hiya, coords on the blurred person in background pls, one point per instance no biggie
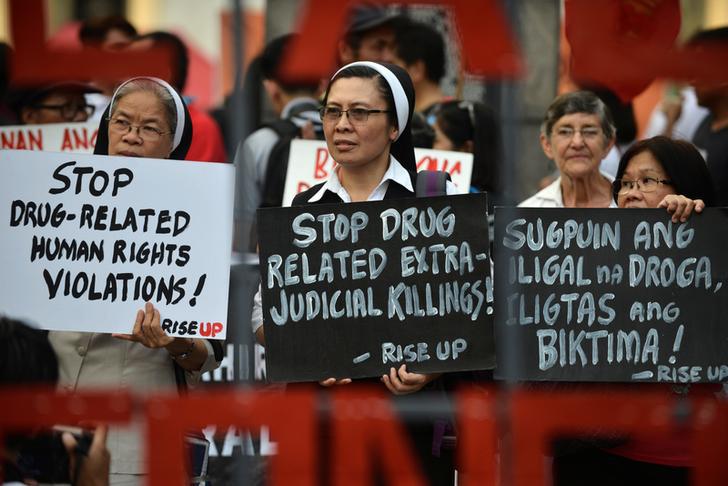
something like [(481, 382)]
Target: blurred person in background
[(111, 33), (207, 143), (260, 180), (420, 50), (370, 35), (52, 103), (711, 136), (27, 359)]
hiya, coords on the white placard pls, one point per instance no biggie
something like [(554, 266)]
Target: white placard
[(310, 163), (54, 137), (85, 240)]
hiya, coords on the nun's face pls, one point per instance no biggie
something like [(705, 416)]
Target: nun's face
[(138, 128), (355, 143)]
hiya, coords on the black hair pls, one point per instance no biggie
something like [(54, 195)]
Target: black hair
[(368, 73), (463, 121), (26, 355), (683, 164), (416, 41), (180, 56), (271, 60), (622, 114), (578, 102), (93, 32)]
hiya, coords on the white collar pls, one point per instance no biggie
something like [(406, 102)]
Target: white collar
[(395, 172)]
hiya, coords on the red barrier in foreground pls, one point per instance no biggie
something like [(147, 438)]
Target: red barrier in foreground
[(365, 428), (538, 416)]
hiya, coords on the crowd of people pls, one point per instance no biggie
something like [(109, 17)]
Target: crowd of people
[(385, 99)]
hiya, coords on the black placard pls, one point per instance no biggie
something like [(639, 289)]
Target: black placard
[(611, 295), (415, 287)]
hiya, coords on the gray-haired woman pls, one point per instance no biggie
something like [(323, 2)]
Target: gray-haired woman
[(577, 133)]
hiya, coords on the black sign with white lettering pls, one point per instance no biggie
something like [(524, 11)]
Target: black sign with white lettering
[(351, 290), (611, 295)]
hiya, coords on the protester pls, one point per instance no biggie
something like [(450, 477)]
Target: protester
[(577, 133), (109, 33), (711, 136), (207, 143), (52, 103), (420, 49), (260, 179), (370, 34), (146, 118), (655, 173), (112, 33), (367, 112), (27, 358), (468, 126)]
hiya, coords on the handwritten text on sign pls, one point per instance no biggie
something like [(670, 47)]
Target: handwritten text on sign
[(310, 163), (51, 137), (88, 239), (351, 290), (611, 295)]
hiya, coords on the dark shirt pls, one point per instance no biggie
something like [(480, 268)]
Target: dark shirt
[(714, 145)]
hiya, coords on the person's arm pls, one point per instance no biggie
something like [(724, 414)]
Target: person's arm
[(681, 207), (93, 469), (189, 353)]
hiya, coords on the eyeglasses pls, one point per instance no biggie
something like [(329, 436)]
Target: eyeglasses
[(644, 184), (356, 115), (567, 133), (69, 110), (148, 133)]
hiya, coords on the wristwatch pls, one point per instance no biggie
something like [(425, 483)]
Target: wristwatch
[(186, 353)]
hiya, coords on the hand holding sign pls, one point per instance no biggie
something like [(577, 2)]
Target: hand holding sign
[(401, 382), (147, 329)]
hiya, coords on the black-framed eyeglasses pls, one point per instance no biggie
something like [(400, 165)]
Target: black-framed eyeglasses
[(68, 111), (355, 115), (644, 184), (148, 133)]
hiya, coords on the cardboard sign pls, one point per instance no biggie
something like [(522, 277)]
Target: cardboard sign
[(86, 240), (310, 163), (611, 295), (350, 290), (51, 137)]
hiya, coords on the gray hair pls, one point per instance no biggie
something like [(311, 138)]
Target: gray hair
[(150, 86), (579, 102)]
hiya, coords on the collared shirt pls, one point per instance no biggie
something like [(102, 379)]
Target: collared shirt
[(551, 196), (395, 172)]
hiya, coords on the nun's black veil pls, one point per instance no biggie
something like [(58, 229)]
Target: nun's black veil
[(402, 148), (179, 152)]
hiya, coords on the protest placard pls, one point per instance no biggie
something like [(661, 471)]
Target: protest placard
[(309, 163), (611, 295), (51, 137), (350, 290), (86, 240)]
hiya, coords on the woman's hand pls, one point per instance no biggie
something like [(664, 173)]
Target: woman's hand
[(147, 329), (681, 207), (401, 382), (94, 467), (334, 381)]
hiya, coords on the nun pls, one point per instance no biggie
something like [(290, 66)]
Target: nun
[(146, 118)]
